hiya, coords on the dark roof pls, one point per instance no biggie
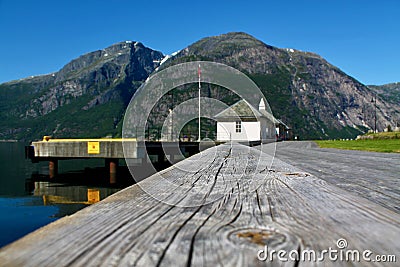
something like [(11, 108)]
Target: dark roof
[(278, 121), (242, 109)]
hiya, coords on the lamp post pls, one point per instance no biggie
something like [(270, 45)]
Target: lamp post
[(199, 73), (373, 100), (171, 111)]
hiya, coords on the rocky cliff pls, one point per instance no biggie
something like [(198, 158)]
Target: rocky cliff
[(87, 97), (315, 98), (389, 92)]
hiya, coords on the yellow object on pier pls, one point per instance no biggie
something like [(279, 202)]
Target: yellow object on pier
[(93, 147)]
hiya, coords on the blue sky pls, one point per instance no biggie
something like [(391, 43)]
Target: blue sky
[(361, 37)]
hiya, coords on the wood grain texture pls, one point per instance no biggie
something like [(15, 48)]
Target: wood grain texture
[(217, 208), (372, 175)]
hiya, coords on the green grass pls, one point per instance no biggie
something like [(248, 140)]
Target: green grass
[(384, 135), (376, 145)]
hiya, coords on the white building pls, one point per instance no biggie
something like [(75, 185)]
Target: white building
[(244, 123)]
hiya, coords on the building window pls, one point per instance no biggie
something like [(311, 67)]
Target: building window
[(238, 126)]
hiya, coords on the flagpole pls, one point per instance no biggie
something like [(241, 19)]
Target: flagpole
[(199, 71)]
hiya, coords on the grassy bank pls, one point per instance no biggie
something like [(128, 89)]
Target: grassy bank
[(378, 142), (382, 136), (377, 145)]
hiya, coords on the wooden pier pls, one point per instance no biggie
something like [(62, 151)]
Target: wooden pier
[(220, 207)]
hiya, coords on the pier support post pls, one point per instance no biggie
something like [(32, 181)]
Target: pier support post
[(53, 168), (112, 165)]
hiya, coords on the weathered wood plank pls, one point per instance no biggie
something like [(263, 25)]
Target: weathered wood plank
[(216, 208), (373, 175)]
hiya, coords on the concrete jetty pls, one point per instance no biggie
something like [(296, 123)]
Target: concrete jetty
[(110, 149)]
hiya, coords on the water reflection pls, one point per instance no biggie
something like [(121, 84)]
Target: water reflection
[(93, 196), (29, 199), (54, 193)]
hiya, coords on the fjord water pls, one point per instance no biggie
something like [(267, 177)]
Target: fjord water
[(30, 200)]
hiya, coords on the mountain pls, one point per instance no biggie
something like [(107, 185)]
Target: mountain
[(86, 98), (389, 92), (315, 98)]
